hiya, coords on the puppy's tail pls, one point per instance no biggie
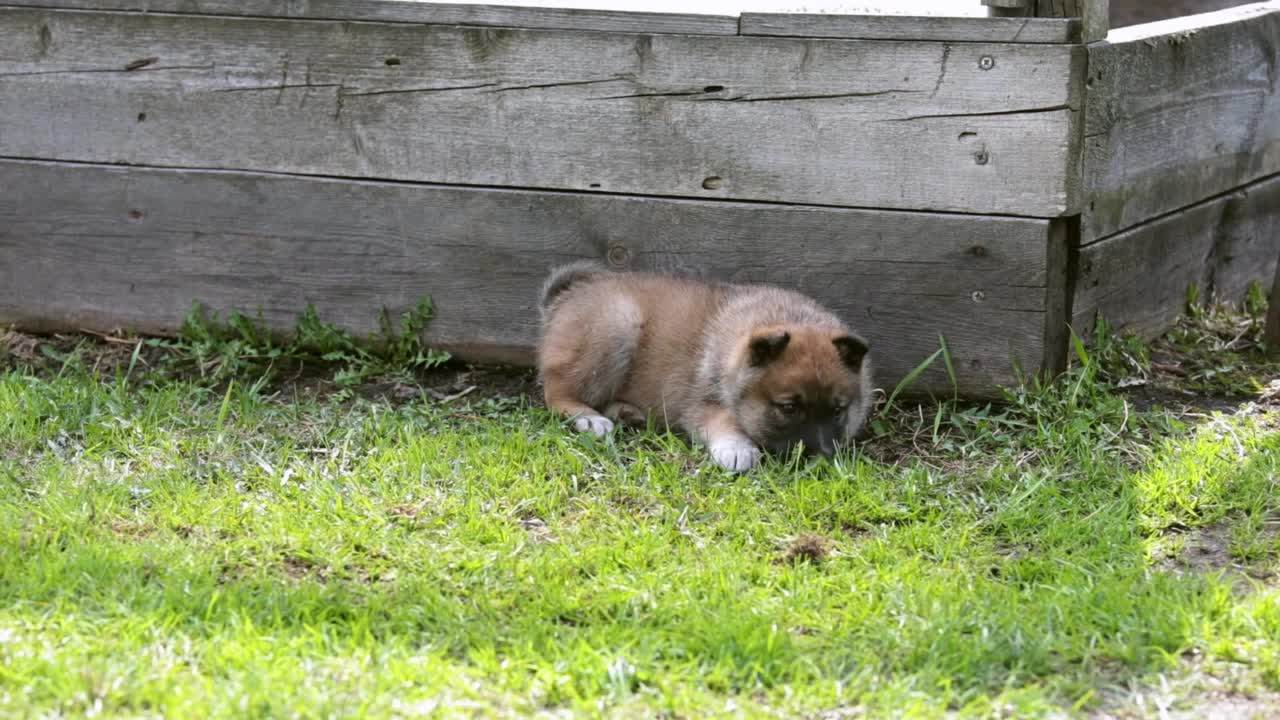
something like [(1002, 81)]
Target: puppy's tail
[(565, 277)]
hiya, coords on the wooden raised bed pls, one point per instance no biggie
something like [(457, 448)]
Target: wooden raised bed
[(990, 180)]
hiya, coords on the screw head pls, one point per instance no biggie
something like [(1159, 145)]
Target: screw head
[(619, 256), (978, 296), (986, 62)]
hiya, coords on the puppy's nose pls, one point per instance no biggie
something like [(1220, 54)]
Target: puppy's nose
[(825, 445), (819, 446)]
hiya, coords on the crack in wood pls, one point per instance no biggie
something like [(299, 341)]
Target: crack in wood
[(997, 113), (749, 99), (141, 63), (284, 79), (281, 87), (651, 94), (942, 71), (306, 80), (121, 70), (541, 86), (1021, 27), (420, 90), (817, 96)]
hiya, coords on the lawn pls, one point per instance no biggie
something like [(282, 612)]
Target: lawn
[(207, 528)]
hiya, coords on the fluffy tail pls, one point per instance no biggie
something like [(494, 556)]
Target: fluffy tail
[(565, 277)]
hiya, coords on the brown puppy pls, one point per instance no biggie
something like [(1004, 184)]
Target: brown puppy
[(737, 367)]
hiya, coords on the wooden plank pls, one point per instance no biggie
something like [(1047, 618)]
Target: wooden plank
[(969, 127), (898, 27), (413, 11), (1092, 13), (1179, 111), (1096, 18), (1138, 280), (100, 247), (1271, 334)]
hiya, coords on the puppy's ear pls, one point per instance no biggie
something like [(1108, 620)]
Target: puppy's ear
[(766, 345), (852, 350)]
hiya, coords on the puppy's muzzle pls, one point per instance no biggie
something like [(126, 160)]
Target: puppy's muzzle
[(819, 441)]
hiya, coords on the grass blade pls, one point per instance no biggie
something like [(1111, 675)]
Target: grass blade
[(910, 378)]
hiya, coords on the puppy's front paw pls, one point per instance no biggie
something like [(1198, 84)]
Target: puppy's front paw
[(597, 425), (735, 454)]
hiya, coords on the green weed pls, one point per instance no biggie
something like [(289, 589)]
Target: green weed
[(219, 350)]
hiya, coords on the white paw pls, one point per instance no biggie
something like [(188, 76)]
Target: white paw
[(735, 454), (597, 425)]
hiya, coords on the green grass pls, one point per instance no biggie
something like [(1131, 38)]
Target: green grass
[(231, 546)]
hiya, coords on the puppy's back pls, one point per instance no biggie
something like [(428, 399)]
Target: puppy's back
[(634, 337)]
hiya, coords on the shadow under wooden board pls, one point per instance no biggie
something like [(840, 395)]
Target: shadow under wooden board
[(1138, 280), (98, 247), (1272, 332), (966, 127)]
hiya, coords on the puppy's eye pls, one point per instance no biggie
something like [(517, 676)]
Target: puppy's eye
[(786, 408)]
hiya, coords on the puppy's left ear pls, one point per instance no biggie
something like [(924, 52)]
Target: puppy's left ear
[(766, 345), (852, 350)]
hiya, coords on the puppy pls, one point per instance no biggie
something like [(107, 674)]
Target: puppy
[(739, 368)]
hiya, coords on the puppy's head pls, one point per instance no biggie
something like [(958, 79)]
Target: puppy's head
[(801, 385)]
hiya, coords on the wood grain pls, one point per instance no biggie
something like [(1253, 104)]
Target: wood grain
[(412, 11), (897, 27), (100, 247), (1180, 111), (970, 127), (1138, 280), (1096, 18)]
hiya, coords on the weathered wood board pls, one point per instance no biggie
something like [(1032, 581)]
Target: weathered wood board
[(100, 247), (412, 11), (1138, 280), (725, 21), (898, 27), (1180, 111), (971, 127), (1272, 331)]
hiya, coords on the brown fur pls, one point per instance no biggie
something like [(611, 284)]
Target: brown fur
[(718, 361)]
